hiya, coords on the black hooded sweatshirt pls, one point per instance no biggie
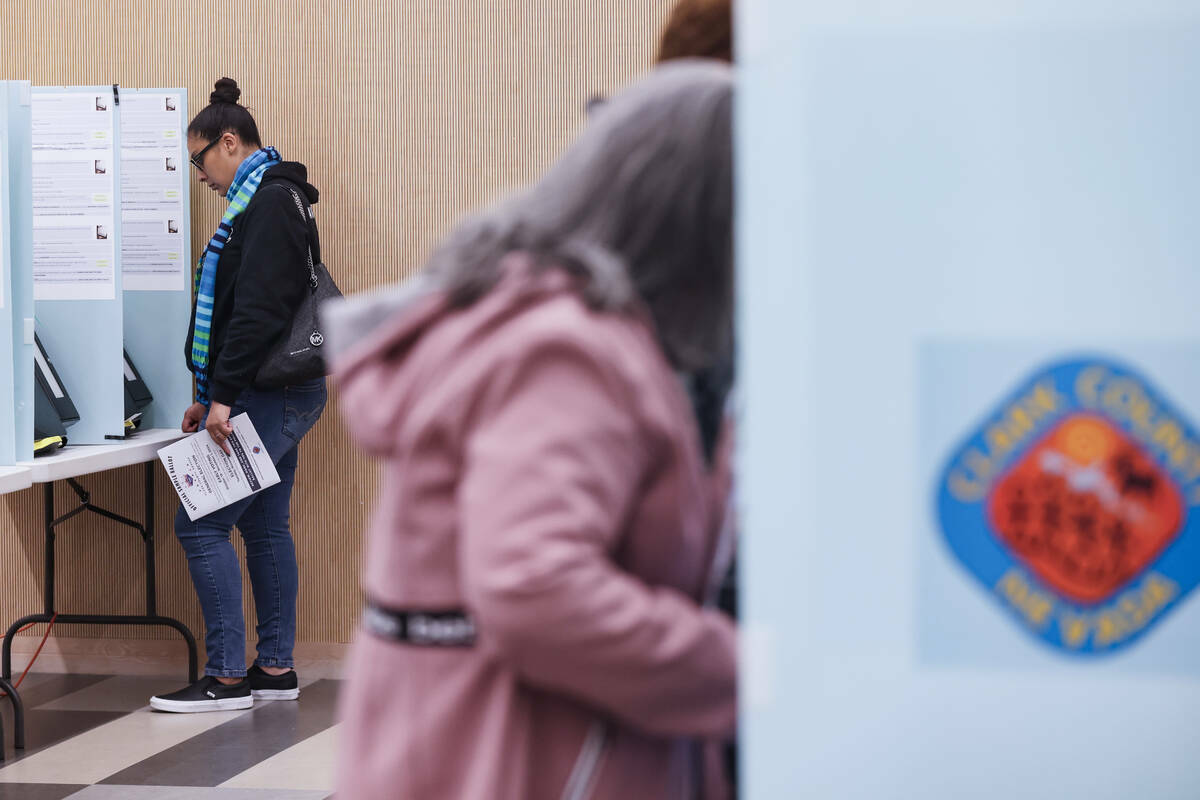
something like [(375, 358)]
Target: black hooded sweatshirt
[(262, 275)]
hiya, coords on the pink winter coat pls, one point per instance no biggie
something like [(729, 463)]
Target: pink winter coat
[(542, 470)]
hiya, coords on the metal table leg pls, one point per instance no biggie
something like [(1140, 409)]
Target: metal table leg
[(151, 617)]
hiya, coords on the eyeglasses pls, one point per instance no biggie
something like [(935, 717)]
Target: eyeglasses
[(198, 159)]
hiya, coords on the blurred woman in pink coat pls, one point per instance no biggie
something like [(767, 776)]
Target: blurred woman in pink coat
[(543, 544)]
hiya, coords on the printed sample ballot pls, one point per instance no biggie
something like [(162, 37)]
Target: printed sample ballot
[(74, 242), (206, 479), (153, 175)]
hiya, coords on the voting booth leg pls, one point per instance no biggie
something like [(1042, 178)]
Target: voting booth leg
[(151, 617), (18, 717)]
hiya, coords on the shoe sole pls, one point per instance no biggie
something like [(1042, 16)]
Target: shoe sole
[(275, 694), (195, 706)]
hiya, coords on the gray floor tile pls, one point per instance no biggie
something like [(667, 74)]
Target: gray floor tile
[(47, 688), (307, 765), (93, 755), (33, 678), (37, 791), (35, 690), (121, 693), (217, 755), (45, 728)]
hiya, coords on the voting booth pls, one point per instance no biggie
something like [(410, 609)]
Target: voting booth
[(970, 454), (95, 299), (95, 295), (16, 278)]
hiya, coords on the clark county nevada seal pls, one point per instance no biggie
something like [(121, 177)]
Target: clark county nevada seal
[(1073, 505)]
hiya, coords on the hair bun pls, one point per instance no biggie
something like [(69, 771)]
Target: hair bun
[(225, 91)]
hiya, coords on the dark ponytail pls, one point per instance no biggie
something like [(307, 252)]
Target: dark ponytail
[(223, 114)]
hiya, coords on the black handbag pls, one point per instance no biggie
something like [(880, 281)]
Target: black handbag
[(297, 357)]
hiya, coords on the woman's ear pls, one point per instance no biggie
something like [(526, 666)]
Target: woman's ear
[(230, 142)]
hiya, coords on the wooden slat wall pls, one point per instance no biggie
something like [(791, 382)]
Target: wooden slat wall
[(407, 115)]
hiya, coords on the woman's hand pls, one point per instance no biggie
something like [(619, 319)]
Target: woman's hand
[(219, 427), (192, 417)]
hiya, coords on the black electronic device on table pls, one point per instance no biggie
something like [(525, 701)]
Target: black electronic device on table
[(137, 394), (53, 410), (46, 422)]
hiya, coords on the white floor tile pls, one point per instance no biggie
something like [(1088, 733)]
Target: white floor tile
[(94, 755), (305, 765)]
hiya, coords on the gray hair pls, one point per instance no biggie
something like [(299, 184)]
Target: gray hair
[(638, 208)]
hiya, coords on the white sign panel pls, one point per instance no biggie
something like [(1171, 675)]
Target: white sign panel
[(153, 175), (74, 211)]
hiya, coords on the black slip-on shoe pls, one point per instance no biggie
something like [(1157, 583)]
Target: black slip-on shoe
[(206, 694), (273, 687)]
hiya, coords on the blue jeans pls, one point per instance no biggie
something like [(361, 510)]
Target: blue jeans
[(281, 417)]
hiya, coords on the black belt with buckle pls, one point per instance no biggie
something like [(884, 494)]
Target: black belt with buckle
[(448, 628)]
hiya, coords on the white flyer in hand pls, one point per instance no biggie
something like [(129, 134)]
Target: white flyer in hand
[(206, 479)]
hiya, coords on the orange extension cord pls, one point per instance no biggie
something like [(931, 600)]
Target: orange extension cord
[(36, 653)]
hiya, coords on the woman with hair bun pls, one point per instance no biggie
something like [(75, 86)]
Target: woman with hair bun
[(249, 283)]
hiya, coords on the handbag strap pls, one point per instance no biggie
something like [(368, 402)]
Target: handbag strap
[(312, 272)]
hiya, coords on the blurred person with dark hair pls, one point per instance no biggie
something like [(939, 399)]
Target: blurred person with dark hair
[(698, 29), (536, 567), (694, 29)]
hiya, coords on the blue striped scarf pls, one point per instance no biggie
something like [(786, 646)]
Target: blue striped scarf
[(245, 183)]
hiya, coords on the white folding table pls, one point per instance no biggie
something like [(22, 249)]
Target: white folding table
[(68, 464), (14, 479)]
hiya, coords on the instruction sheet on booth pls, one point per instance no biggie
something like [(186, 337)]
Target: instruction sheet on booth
[(74, 212), (153, 176)]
